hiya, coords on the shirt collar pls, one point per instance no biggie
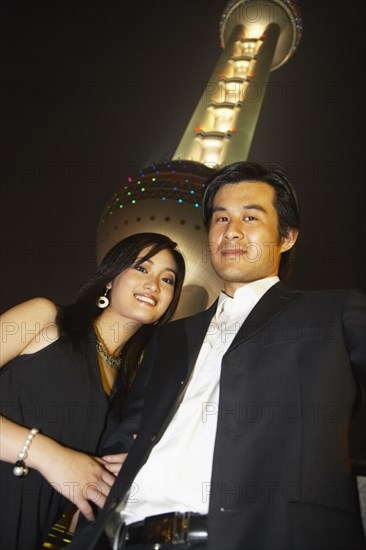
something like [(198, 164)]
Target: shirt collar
[(253, 291)]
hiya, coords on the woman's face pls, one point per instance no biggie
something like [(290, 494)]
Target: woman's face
[(142, 293)]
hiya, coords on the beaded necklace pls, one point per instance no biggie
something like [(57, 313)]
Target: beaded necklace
[(103, 351)]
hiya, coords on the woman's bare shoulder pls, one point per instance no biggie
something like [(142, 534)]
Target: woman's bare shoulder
[(35, 307), (23, 327)]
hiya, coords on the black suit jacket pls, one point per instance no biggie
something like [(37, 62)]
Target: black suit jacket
[(289, 384)]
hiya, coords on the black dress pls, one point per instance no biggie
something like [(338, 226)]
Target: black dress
[(58, 390)]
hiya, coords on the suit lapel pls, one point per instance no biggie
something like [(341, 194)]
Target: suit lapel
[(275, 300)]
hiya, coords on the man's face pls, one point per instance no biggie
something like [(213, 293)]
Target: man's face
[(243, 235)]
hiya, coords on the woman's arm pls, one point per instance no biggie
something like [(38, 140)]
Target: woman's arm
[(30, 326), (77, 476)]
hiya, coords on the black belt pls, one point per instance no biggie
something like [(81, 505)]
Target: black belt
[(173, 528)]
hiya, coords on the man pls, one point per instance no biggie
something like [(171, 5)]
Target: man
[(242, 411)]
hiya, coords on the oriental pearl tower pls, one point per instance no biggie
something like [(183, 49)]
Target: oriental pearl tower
[(257, 36)]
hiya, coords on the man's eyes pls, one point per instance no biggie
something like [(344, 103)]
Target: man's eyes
[(226, 219)]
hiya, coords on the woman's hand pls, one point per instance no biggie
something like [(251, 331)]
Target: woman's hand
[(114, 463), (77, 476)]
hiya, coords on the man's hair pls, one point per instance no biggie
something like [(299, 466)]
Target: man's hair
[(285, 200)]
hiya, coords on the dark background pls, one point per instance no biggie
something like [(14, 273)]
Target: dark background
[(92, 91)]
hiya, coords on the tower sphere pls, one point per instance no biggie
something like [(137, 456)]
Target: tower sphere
[(256, 15)]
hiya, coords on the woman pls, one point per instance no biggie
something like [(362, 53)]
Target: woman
[(59, 368)]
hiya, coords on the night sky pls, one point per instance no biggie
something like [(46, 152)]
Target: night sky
[(92, 91)]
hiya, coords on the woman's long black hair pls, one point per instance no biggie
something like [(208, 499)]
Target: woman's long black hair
[(75, 320)]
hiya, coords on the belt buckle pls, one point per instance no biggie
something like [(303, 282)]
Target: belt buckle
[(171, 527)]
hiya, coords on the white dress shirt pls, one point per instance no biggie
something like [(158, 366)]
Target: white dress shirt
[(177, 474)]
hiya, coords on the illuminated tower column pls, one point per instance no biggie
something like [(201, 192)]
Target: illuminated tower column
[(257, 37)]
